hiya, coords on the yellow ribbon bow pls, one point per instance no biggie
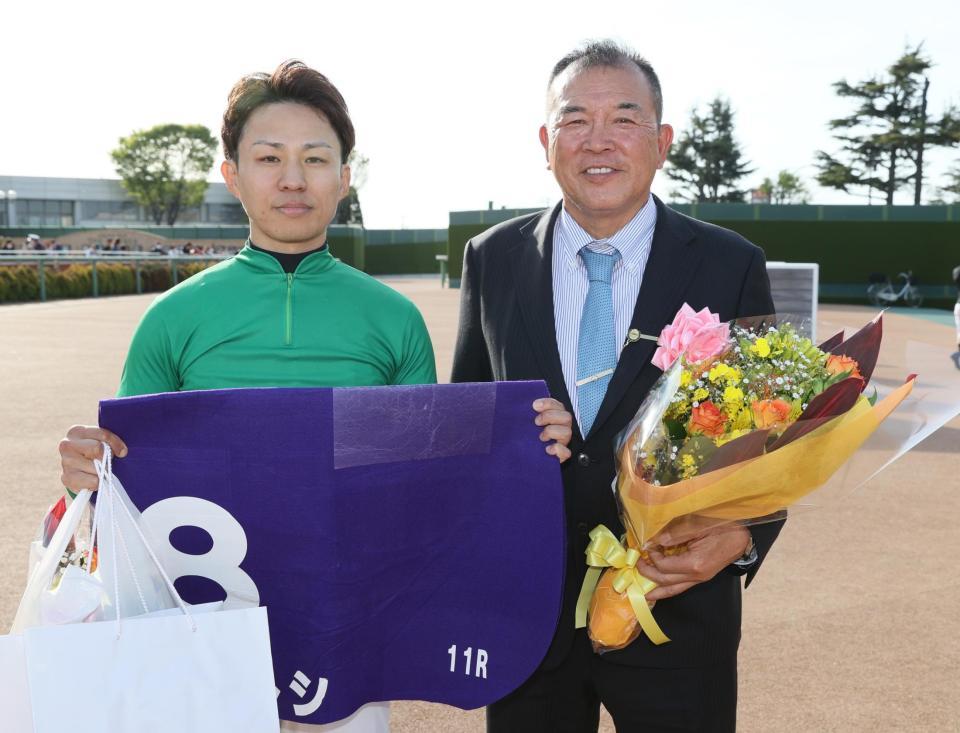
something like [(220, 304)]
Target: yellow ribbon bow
[(606, 551)]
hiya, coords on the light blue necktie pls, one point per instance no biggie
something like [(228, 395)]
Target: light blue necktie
[(597, 345)]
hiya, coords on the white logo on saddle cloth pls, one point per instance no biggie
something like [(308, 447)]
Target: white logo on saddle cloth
[(300, 684)]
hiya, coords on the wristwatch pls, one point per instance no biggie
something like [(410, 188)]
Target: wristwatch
[(749, 556)]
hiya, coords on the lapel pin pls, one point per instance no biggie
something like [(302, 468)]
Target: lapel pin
[(634, 335)]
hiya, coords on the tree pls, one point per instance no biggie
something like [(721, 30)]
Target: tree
[(788, 189), (951, 192), (707, 161), (884, 140), (164, 169), (348, 210)]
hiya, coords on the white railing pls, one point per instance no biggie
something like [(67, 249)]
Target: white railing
[(25, 256)]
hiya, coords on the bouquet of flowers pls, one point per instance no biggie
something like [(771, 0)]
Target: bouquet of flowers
[(748, 418)]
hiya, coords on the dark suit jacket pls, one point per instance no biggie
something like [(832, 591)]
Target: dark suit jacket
[(507, 332)]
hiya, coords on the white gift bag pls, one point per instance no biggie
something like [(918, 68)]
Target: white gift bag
[(14, 691), (161, 675), (181, 669)]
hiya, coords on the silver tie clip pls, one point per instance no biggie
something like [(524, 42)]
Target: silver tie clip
[(594, 377)]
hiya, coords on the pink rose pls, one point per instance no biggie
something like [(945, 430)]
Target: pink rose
[(697, 334)]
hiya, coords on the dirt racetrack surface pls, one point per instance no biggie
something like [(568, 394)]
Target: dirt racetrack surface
[(853, 624)]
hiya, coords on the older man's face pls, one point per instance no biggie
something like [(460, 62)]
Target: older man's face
[(603, 144)]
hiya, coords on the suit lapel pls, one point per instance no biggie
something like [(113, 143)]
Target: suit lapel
[(674, 258), (533, 283)]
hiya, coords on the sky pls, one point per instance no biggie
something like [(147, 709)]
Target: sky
[(447, 98)]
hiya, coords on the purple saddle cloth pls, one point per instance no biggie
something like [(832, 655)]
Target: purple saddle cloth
[(408, 542)]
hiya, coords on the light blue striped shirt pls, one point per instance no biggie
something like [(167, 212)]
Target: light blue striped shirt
[(570, 282)]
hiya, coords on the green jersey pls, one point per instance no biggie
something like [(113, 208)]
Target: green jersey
[(247, 323)]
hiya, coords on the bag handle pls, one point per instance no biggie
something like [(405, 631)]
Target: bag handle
[(116, 533), (44, 571), (108, 490)]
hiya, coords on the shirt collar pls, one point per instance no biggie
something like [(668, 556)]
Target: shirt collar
[(632, 241), (316, 261)]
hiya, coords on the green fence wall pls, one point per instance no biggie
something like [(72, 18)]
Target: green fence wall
[(849, 252), (346, 243), (467, 224), (849, 242), (404, 251)]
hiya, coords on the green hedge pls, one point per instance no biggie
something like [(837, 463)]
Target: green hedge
[(21, 283)]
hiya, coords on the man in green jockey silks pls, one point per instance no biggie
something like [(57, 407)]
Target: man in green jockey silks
[(283, 312)]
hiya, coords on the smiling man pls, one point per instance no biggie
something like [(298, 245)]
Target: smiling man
[(555, 296), (283, 312)]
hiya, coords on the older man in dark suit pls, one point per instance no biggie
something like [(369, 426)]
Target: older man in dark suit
[(555, 296)]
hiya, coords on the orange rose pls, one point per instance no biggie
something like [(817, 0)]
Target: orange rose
[(837, 364), (770, 413), (707, 419)]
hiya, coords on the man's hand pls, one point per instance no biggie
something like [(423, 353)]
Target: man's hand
[(557, 426), (706, 556), (78, 450)]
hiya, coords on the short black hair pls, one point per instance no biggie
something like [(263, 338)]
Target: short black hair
[(610, 53), (293, 81)]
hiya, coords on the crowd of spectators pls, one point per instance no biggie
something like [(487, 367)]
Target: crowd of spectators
[(33, 243), (192, 249)]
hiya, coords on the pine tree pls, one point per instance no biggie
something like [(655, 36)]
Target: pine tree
[(707, 161), (884, 140)]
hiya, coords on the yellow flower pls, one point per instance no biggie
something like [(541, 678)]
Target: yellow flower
[(719, 371), (733, 376), (731, 436), (685, 377), (743, 420), (700, 394), (761, 347), (733, 397), (688, 466)]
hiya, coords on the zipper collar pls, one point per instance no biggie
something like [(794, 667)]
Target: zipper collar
[(313, 264)]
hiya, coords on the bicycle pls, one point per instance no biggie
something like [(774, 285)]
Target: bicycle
[(881, 292)]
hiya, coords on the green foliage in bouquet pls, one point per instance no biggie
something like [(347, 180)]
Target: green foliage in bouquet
[(763, 381)]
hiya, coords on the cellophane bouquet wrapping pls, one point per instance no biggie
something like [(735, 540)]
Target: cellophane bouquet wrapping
[(748, 418)]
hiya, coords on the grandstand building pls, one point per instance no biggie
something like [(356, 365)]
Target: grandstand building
[(32, 201)]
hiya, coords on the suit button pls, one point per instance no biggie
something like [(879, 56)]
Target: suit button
[(583, 459), (582, 528)]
